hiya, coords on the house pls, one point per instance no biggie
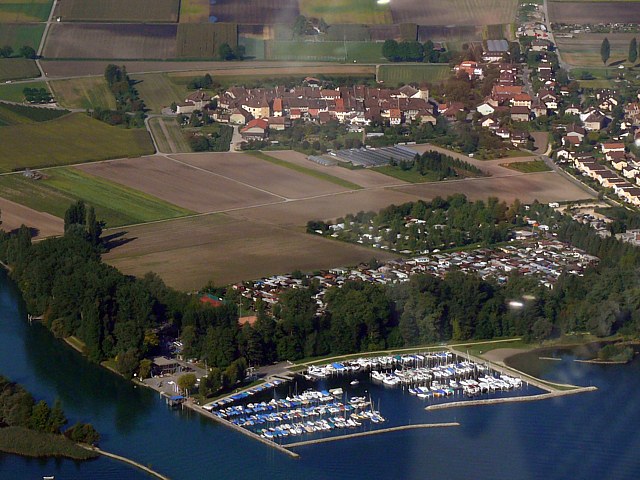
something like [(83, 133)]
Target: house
[(519, 139), (541, 45), (575, 134), (612, 147), (470, 68), (496, 50), (503, 133), (485, 109), (488, 122), (199, 99), (538, 108), (256, 129), (277, 123), (519, 114), (504, 93), (594, 121), (164, 366), (572, 110), (521, 100), (239, 116), (185, 108)]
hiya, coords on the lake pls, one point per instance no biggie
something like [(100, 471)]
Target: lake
[(588, 436)]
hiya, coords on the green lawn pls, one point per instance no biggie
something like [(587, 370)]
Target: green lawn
[(365, 52), (17, 68), (30, 443), (413, 73), (194, 11), (13, 92), (307, 171), (18, 114), (158, 90), (170, 139), (410, 176), (16, 11), (527, 167), (73, 138), (347, 11), (86, 93), (114, 203), (19, 35)]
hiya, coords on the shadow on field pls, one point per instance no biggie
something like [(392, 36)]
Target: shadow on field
[(116, 240)]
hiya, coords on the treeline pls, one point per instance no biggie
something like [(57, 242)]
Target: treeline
[(414, 52), (19, 409), (129, 106), (37, 95), (443, 166), (215, 141)]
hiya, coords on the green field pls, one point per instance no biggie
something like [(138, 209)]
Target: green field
[(159, 91), (88, 92), (13, 92), (402, 74), (17, 11), (194, 11), (254, 47), (347, 11), (119, 10), (73, 138), (307, 171), (197, 40), (169, 136), (365, 52), (527, 167), (32, 443), (19, 114), (410, 176), (19, 35), (114, 203), (17, 68)]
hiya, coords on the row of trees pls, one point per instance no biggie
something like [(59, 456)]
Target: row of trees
[(413, 52), (129, 106), (25, 51), (19, 409), (605, 50)]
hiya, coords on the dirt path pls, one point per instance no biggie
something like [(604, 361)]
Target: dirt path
[(165, 131)]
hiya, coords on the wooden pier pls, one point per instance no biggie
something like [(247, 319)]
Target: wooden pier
[(369, 433)]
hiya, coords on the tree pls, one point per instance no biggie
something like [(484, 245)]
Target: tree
[(605, 50), (94, 227), (6, 51), (83, 433), (390, 50), (300, 25), (186, 382), (27, 52), (633, 50), (225, 52), (127, 363), (40, 417), (56, 418)]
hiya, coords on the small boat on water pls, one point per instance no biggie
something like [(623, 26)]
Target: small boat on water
[(354, 383)]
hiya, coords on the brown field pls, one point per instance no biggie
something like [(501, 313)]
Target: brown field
[(62, 68), (118, 10), (188, 253), (196, 40), (180, 184), (256, 11), (14, 215), (110, 41), (594, 12), (454, 12), (249, 170), (545, 187), (364, 177)]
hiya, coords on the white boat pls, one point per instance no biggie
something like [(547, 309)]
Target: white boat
[(354, 382)]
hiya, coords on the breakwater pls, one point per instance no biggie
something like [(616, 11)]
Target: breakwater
[(495, 401), (369, 433), (125, 460)]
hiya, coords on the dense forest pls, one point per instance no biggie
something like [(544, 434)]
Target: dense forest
[(420, 227), (121, 317)]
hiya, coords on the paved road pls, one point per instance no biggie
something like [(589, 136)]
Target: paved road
[(547, 22)]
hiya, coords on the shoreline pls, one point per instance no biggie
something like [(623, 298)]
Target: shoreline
[(124, 460)]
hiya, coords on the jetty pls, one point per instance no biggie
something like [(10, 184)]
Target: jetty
[(371, 432), (527, 398), (125, 460), (239, 429)]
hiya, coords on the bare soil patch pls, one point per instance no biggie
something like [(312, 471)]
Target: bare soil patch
[(14, 215), (454, 12), (118, 10), (180, 184), (594, 12), (363, 177), (262, 174), (501, 354), (256, 11), (187, 253), (545, 187), (118, 41)]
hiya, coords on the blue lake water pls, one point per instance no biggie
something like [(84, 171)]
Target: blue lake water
[(588, 436)]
